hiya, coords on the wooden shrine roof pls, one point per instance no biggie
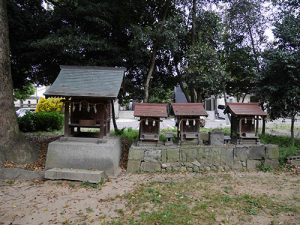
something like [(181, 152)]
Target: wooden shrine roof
[(87, 81), (150, 110), (245, 109), (189, 109)]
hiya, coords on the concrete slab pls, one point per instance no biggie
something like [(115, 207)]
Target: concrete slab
[(92, 176), (85, 153), (20, 174)]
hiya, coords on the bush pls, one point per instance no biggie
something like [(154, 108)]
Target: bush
[(284, 143), (41, 121), (50, 105), (127, 133)]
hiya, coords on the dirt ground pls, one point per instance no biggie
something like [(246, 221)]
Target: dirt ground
[(66, 202)]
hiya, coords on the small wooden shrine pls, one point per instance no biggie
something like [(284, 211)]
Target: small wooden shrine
[(188, 120), (245, 122), (150, 117), (88, 92)]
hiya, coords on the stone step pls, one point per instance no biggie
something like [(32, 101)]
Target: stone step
[(92, 176)]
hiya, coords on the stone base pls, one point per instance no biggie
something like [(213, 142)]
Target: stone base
[(85, 153), (92, 176)]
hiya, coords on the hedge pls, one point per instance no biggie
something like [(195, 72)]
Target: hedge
[(41, 121)]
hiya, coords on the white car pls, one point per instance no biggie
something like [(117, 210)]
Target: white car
[(21, 112), (220, 110)]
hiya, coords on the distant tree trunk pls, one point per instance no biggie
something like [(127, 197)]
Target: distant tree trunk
[(292, 130), (153, 55), (253, 47), (114, 116), (192, 94), (149, 75), (194, 17), (243, 99), (224, 94), (13, 146)]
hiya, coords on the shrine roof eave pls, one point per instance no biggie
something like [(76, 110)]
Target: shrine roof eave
[(66, 95)]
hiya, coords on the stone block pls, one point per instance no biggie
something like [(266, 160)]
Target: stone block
[(189, 169), (237, 165), (136, 154), (240, 153), (204, 137), (273, 163), (163, 155), (133, 166), (216, 138), (226, 156), (87, 153), (253, 164), (150, 166), (153, 155), (196, 163), (272, 152), (92, 176), (196, 169), (256, 152), (189, 154), (173, 155)]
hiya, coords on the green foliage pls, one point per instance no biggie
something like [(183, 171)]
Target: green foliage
[(264, 168), (128, 133), (50, 105), (160, 95), (41, 121), (24, 92), (285, 146), (98, 185)]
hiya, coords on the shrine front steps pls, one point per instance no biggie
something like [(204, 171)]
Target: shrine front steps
[(91, 176)]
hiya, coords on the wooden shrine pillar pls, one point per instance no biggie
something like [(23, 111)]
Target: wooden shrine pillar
[(256, 126), (67, 117)]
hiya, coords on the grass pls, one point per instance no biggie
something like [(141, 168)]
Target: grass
[(98, 185), (193, 201)]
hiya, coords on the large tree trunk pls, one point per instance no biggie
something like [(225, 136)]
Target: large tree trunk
[(13, 146), (292, 130)]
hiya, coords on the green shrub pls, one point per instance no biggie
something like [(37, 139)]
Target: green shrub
[(127, 133), (27, 122), (285, 148), (41, 121)]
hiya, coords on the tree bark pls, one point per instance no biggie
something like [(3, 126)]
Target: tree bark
[(153, 55), (13, 146), (243, 99), (114, 117), (194, 9), (292, 130), (253, 47), (149, 75)]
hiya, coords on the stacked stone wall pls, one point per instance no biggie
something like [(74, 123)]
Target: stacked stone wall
[(200, 158)]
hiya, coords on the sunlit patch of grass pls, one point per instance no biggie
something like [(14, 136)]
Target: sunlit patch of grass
[(193, 201)]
